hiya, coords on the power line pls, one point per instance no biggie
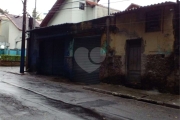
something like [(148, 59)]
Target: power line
[(91, 1), (55, 11), (22, 1), (118, 12), (58, 5), (116, 1)]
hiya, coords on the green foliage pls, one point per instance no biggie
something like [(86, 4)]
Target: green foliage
[(36, 15), (10, 58), (4, 11), (1, 11)]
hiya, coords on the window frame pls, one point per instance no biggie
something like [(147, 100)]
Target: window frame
[(150, 21)]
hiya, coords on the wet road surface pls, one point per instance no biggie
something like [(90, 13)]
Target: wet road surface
[(22, 104), (30, 97)]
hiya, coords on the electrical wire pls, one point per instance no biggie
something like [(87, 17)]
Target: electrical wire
[(150, 16), (92, 1), (55, 11), (116, 1), (58, 5), (52, 12), (75, 8), (22, 1)]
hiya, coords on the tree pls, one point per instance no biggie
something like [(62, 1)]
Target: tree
[(4, 11), (1, 11), (36, 15)]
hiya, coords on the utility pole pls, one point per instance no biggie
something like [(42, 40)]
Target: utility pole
[(34, 15), (179, 35), (23, 37), (107, 27), (107, 23), (108, 7), (35, 7)]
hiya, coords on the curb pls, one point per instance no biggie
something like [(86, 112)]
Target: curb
[(14, 73), (128, 96)]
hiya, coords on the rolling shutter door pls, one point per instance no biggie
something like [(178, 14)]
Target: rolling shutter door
[(51, 57), (79, 73)]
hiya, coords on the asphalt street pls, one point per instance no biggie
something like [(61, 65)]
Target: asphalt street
[(34, 97)]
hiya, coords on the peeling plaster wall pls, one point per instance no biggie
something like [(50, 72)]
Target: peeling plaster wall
[(156, 55), (132, 26), (68, 58)]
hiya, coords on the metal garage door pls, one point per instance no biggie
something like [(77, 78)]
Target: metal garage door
[(45, 60), (83, 73), (51, 57)]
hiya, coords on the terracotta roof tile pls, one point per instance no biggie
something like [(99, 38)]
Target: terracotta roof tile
[(18, 20), (148, 6)]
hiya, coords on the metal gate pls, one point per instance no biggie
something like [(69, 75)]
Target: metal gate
[(80, 74), (133, 61), (51, 57)]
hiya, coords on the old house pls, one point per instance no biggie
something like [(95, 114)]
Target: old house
[(142, 44), (137, 46), (73, 11)]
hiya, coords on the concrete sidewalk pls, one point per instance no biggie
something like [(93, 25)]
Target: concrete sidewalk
[(154, 97)]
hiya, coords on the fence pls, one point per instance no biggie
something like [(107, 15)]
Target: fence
[(11, 52)]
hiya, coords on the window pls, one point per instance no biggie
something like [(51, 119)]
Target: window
[(153, 21)]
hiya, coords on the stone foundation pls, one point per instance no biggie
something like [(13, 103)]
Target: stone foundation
[(160, 73), (157, 72), (111, 70)]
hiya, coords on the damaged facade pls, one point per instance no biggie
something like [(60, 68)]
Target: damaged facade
[(140, 53), (52, 49)]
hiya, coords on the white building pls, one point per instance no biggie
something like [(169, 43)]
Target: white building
[(73, 11), (11, 31)]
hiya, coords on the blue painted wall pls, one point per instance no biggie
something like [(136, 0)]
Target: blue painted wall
[(68, 57)]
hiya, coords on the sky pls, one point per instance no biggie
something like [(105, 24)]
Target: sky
[(43, 6)]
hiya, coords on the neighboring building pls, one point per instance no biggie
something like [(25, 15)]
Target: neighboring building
[(133, 6), (3, 41), (142, 49), (73, 11), (11, 33)]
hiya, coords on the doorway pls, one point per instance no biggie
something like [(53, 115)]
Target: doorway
[(133, 61)]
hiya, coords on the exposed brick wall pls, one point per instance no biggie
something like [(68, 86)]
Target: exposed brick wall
[(159, 73), (111, 70)]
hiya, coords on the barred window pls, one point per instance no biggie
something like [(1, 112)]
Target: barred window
[(153, 21)]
